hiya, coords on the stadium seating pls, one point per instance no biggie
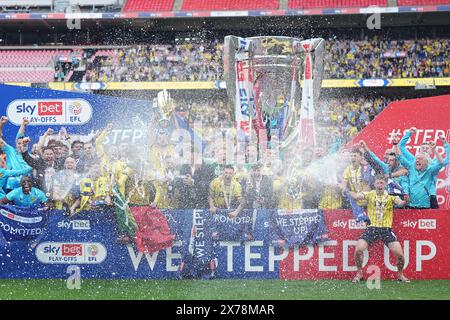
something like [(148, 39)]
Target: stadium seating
[(29, 65), (94, 2), (30, 58), (26, 3), (103, 53), (33, 76), (421, 2), (319, 4), (145, 5), (189, 5)]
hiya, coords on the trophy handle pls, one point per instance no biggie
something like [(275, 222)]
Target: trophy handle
[(229, 70)]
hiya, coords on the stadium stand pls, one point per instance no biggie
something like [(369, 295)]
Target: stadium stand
[(7, 6), (94, 2), (158, 62), (60, 5), (189, 5), (34, 66), (387, 59), (144, 5), (344, 60), (421, 2), (37, 75), (310, 4), (26, 3)]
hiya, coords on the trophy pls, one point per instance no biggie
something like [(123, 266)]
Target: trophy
[(162, 108), (262, 77)]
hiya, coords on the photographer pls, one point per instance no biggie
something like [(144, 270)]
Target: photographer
[(258, 190), (183, 189)]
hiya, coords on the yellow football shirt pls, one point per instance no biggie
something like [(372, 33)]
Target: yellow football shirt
[(380, 209), (354, 182), (330, 198), (216, 192)]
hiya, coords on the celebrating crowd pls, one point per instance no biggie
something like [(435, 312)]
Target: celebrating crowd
[(373, 58), (185, 62), (345, 116), (78, 175), (344, 59), (348, 115), (75, 176)]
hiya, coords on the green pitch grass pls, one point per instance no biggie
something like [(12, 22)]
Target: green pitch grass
[(221, 289)]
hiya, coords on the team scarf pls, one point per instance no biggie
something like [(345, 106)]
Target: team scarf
[(394, 188), (125, 220), (358, 211)]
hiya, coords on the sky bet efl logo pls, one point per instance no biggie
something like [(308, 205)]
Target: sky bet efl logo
[(50, 111), (71, 253)]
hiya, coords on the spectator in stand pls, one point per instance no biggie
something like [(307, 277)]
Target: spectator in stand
[(344, 59), (349, 115), (377, 58), (185, 62)]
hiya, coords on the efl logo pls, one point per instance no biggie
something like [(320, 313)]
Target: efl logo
[(427, 224), (72, 250), (75, 108), (92, 250), (50, 108)]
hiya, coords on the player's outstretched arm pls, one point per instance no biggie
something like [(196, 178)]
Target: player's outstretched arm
[(402, 144), (3, 121)]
